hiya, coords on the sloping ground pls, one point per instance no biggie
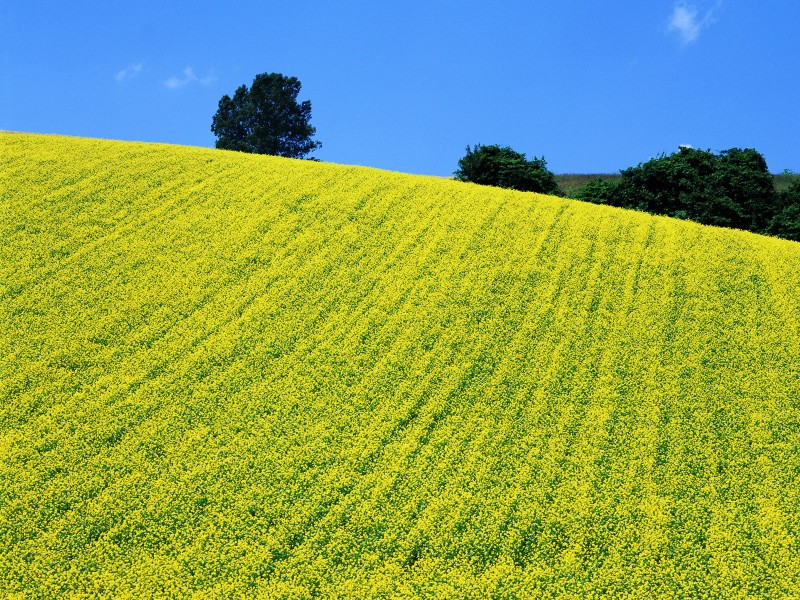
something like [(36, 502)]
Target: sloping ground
[(228, 375)]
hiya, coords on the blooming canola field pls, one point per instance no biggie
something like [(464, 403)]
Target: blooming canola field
[(228, 375)]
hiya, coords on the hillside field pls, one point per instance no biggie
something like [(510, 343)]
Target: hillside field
[(227, 375)]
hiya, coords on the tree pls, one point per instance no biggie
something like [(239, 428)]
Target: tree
[(676, 185), (506, 168), (598, 191), (266, 119), (786, 222), (729, 189)]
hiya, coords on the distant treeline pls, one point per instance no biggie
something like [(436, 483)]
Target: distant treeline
[(733, 188), (569, 184), (729, 189)]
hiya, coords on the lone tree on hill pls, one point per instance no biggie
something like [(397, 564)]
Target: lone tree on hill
[(266, 119), (506, 168)]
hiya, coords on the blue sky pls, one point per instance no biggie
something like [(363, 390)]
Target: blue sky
[(592, 86)]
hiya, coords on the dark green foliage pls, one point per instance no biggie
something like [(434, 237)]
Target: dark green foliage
[(599, 191), (786, 222), (731, 189), (266, 119), (744, 183), (678, 185), (506, 168)]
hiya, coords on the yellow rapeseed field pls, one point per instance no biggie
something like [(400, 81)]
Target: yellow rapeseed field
[(227, 375)]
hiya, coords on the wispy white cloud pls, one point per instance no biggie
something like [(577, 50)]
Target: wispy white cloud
[(189, 76), (129, 72), (688, 22), (684, 22)]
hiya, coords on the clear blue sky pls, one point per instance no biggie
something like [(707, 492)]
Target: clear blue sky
[(592, 86)]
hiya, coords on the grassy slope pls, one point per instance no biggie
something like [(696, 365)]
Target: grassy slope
[(570, 184), (235, 374)]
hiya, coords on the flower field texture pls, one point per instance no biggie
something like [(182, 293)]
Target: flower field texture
[(228, 375)]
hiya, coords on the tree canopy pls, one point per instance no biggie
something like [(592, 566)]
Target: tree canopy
[(786, 222), (731, 189), (501, 166), (266, 119)]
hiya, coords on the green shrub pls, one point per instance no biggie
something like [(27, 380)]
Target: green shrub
[(503, 167)]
